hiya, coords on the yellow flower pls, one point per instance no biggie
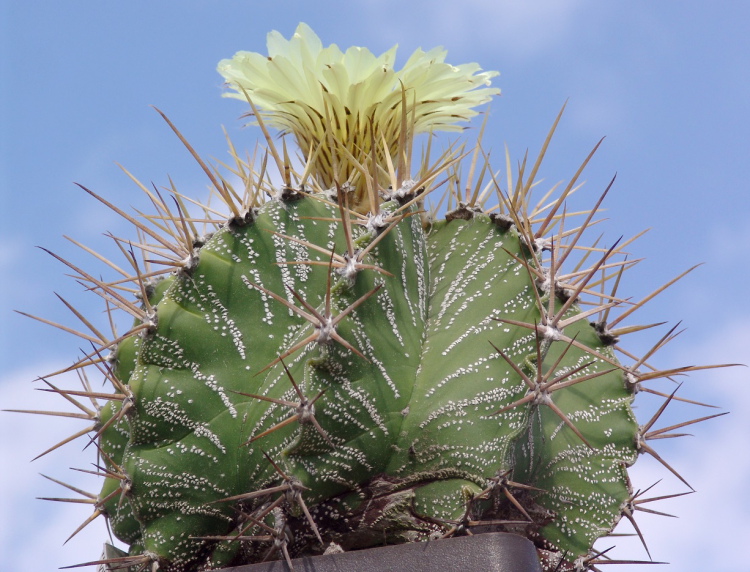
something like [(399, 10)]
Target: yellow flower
[(310, 91)]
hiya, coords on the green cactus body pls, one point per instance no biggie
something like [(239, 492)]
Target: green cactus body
[(417, 410), (328, 367)]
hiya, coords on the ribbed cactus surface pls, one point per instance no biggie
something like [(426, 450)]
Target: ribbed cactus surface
[(331, 366)]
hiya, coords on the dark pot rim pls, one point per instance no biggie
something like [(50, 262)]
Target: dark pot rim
[(488, 552)]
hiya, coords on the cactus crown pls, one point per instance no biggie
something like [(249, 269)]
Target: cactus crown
[(328, 364)]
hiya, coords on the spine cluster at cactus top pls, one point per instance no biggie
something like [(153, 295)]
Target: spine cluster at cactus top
[(327, 362)]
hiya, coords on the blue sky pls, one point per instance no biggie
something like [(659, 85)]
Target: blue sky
[(667, 83)]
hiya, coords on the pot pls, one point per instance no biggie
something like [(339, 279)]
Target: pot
[(488, 552)]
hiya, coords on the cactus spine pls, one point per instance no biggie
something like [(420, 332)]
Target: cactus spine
[(327, 362)]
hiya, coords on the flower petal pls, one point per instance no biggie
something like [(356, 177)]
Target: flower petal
[(307, 89)]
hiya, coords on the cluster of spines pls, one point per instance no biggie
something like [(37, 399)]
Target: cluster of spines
[(170, 242)]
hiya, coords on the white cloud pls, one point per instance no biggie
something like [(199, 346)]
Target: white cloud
[(713, 460), (10, 257), (700, 538), (519, 27), (32, 532), (602, 108), (728, 243)]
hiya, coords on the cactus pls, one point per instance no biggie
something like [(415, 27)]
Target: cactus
[(322, 362)]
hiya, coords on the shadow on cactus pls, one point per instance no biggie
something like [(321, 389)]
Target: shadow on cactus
[(319, 361)]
